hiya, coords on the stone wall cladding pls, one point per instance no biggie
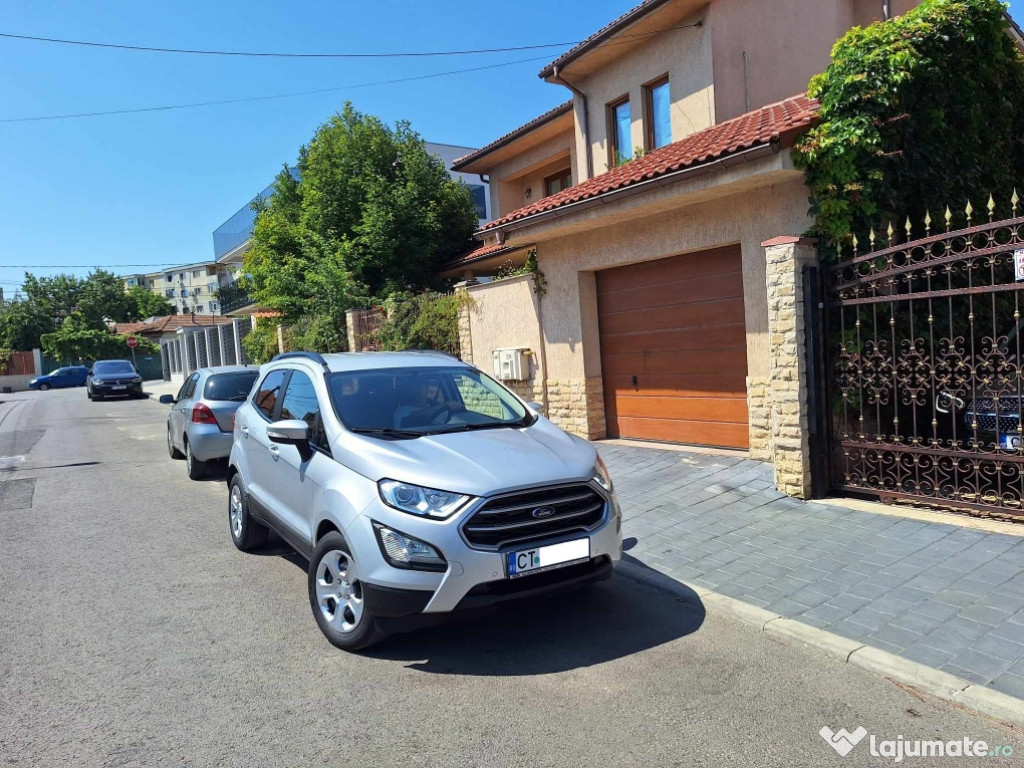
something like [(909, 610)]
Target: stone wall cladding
[(577, 406), (465, 332), (788, 392), (759, 407)]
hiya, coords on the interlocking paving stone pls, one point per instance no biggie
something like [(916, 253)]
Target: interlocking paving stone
[(938, 594)]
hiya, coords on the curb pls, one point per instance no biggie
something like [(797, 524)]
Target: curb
[(942, 685)]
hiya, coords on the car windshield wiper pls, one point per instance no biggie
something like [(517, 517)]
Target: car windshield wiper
[(386, 432), (472, 427)]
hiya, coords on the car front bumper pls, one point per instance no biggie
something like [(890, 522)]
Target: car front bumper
[(474, 577), (114, 390)]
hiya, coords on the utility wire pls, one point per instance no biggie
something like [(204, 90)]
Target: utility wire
[(285, 55), (293, 94)]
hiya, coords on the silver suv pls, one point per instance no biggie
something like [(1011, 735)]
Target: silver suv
[(414, 484)]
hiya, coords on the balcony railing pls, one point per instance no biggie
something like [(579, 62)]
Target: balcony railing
[(233, 297)]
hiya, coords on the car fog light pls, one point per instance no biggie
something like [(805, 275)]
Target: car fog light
[(403, 551)]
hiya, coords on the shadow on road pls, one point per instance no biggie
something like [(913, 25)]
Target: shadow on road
[(554, 633)]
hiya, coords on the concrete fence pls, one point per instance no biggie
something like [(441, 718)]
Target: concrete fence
[(19, 370)]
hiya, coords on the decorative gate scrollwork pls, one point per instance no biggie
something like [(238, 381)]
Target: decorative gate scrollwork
[(924, 368)]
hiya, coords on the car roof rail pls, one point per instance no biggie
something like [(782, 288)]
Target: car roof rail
[(432, 352), (316, 357)]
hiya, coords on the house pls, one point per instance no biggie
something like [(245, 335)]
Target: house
[(188, 342), (664, 210)]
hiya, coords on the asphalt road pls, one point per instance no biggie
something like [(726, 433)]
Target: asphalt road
[(132, 632)]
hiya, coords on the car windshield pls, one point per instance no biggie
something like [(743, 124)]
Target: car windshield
[(408, 402), (112, 366), (230, 386)]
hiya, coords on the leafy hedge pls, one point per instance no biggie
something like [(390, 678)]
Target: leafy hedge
[(422, 321), (916, 113)]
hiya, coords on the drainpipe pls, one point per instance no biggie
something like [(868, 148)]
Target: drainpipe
[(886, 10), (586, 118)]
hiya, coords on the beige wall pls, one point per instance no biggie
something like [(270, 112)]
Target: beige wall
[(570, 308), (527, 170), (505, 314), (787, 42), (683, 54)]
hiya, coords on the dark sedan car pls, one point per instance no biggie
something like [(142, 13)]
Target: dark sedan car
[(112, 378), (69, 376)]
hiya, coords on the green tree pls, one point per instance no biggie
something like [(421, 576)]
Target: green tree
[(99, 298), (143, 304), (22, 322), (371, 212), (916, 113), (76, 341)]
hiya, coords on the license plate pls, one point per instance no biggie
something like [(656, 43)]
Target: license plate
[(1010, 441), (119, 386), (538, 559)]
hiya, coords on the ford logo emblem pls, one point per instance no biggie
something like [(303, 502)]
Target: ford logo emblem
[(541, 512)]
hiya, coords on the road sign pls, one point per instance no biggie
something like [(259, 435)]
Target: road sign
[(132, 341), (1018, 264)]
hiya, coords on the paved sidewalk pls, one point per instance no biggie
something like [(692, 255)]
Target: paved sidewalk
[(934, 593)]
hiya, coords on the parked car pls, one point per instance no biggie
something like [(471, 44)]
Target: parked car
[(414, 484), (113, 378), (69, 376), (202, 415)]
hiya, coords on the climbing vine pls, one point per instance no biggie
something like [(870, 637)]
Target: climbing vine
[(916, 113)]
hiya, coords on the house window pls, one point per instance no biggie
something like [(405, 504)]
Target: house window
[(658, 120), (169, 278), (212, 287), (197, 291), (132, 282), (199, 309), (169, 293), (479, 195), (619, 128), (184, 293), (213, 306), (558, 182), (197, 273)]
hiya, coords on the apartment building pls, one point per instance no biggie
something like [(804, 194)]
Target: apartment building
[(651, 197), (190, 288)]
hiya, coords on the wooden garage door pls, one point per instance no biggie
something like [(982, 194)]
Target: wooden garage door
[(673, 349)]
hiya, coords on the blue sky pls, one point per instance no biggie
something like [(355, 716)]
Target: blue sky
[(150, 188)]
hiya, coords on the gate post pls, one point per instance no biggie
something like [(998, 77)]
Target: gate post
[(788, 379)]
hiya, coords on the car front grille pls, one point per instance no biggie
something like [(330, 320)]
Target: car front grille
[(512, 518), (984, 410)]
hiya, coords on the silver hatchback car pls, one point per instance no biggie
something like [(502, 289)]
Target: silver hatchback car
[(202, 415), (414, 484)]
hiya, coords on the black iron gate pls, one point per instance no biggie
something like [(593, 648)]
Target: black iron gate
[(924, 367)]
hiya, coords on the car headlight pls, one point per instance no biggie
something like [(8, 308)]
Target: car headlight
[(601, 475), (137, 380), (425, 502), (402, 551)]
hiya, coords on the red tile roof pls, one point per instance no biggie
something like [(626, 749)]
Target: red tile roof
[(483, 252), (170, 323), (759, 127), (551, 114)]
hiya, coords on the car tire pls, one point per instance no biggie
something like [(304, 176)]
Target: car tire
[(171, 449), (246, 533), (336, 596), (43, 387), (196, 469)]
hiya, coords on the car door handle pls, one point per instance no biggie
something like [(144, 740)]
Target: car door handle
[(275, 452)]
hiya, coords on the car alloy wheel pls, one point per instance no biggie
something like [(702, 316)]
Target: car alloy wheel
[(235, 512), (339, 592), (43, 387)]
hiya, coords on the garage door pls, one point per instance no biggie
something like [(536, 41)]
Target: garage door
[(673, 349)]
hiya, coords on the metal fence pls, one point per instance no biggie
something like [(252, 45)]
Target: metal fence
[(925, 382)]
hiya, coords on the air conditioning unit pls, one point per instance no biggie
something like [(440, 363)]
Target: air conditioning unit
[(511, 364)]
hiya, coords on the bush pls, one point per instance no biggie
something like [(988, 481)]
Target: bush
[(260, 344), (423, 321), (317, 333), (916, 113)]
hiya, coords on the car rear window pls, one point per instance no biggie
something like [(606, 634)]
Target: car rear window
[(230, 386)]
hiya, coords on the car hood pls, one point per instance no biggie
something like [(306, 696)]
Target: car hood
[(479, 463)]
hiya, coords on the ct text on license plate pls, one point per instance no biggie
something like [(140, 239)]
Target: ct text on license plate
[(537, 559)]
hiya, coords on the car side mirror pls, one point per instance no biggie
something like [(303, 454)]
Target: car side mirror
[(291, 432), (536, 407), (166, 399)]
